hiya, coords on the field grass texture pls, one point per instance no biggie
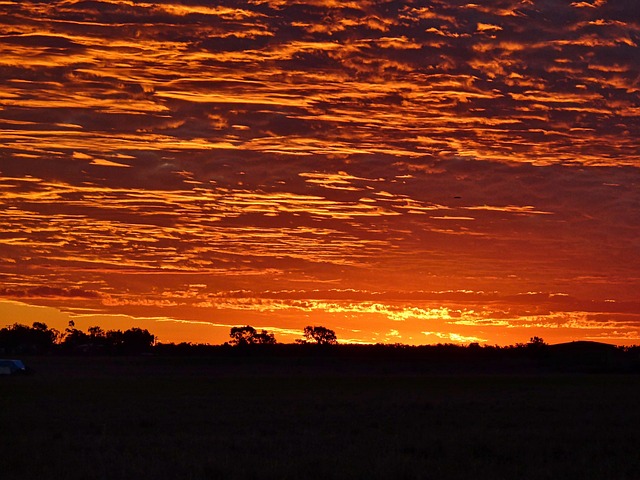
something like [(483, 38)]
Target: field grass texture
[(123, 418)]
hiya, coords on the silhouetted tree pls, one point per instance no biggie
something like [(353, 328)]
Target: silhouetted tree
[(95, 332), (242, 335), (74, 337), (47, 336), (19, 338), (247, 335), (137, 340), (115, 340), (537, 348), (320, 335), (265, 338), (536, 342)]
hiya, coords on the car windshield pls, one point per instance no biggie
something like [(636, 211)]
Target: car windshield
[(19, 364)]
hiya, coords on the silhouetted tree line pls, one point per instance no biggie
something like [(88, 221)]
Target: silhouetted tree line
[(40, 339), (319, 347)]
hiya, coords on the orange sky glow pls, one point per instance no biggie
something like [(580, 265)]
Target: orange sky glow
[(401, 172)]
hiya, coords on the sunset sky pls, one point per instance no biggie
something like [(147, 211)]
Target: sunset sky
[(414, 172)]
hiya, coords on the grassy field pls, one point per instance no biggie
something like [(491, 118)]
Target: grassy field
[(119, 418)]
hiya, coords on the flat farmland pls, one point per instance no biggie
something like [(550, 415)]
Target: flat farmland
[(158, 418)]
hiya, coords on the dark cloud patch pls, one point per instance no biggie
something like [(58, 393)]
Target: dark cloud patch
[(41, 41), (233, 43), (48, 292)]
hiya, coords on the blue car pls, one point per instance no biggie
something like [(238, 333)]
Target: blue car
[(12, 367)]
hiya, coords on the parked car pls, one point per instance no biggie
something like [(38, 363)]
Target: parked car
[(12, 367)]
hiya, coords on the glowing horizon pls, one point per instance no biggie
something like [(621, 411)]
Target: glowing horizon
[(412, 172)]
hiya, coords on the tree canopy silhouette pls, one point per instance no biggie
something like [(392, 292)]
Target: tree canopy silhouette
[(19, 338), (320, 335), (131, 341), (536, 342), (247, 335)]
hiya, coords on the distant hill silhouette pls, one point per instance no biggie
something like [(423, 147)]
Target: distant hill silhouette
[(587, 356), (583, 346)]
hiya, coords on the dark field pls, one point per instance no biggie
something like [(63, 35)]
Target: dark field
[(120, 418)]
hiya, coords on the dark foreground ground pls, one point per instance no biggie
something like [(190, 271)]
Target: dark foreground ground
[(154, 418)]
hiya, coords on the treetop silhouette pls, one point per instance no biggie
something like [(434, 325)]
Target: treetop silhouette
[(320, 335), (247, 335)]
